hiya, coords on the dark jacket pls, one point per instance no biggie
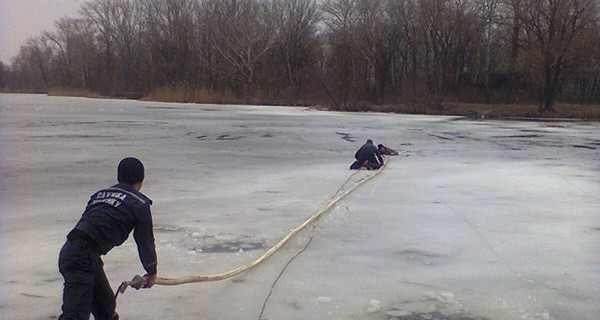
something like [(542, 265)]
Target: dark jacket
[(112, 213), (368, 151)]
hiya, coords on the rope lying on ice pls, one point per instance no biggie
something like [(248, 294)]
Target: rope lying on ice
[(138, 281)]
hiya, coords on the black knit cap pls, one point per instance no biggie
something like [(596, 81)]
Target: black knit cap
[(130, 171)]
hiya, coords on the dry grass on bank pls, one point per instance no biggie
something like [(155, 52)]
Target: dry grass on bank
[(500, 111), (185, 94), (190, 95), (73, 92)]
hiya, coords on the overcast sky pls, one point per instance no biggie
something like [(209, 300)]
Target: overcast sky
[(21, 19)]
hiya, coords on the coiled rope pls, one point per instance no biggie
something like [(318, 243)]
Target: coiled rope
[(137, 282)]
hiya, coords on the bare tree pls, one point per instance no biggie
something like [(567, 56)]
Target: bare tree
[(34, 62), (169, 27), (296, 21), (340, 54), (374, 37), (551, 27), (242, 33), (3, 76), (408, 55), (514, 20), (75, 51), (448, 27), (127, 44), (490, 18), (371, 28), (102, 14)]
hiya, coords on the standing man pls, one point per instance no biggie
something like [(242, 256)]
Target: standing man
[(111, 214), (369, 156)]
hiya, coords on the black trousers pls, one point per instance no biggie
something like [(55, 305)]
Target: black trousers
[(373, 161), (86, 289)]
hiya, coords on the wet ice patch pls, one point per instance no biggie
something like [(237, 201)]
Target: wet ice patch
[(347, 136), (220, 137), (222, 242), (431, 306), (433, 316), (374, 306), (424, 257), (167, 229)]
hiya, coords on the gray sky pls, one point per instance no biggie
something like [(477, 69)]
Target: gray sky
[(21, 19)]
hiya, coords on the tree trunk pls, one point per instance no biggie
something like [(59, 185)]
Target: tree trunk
[(549, 89)]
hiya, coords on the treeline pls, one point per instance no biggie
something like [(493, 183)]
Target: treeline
[(347, 54)]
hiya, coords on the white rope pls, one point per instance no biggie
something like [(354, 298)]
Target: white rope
[(341, 194)]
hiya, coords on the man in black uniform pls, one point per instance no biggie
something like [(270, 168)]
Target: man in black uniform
[(368, 156), (111, 214)]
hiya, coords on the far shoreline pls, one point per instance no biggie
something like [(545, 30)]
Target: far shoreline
[(564, 112)]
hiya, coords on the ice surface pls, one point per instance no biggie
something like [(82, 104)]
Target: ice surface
[(476, 219)]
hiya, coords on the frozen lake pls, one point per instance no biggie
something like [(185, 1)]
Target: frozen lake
[(496, 220)]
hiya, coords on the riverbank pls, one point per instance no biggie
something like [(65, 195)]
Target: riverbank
[(476, 111)]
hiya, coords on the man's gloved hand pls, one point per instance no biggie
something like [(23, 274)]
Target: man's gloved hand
[(150, 279)]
